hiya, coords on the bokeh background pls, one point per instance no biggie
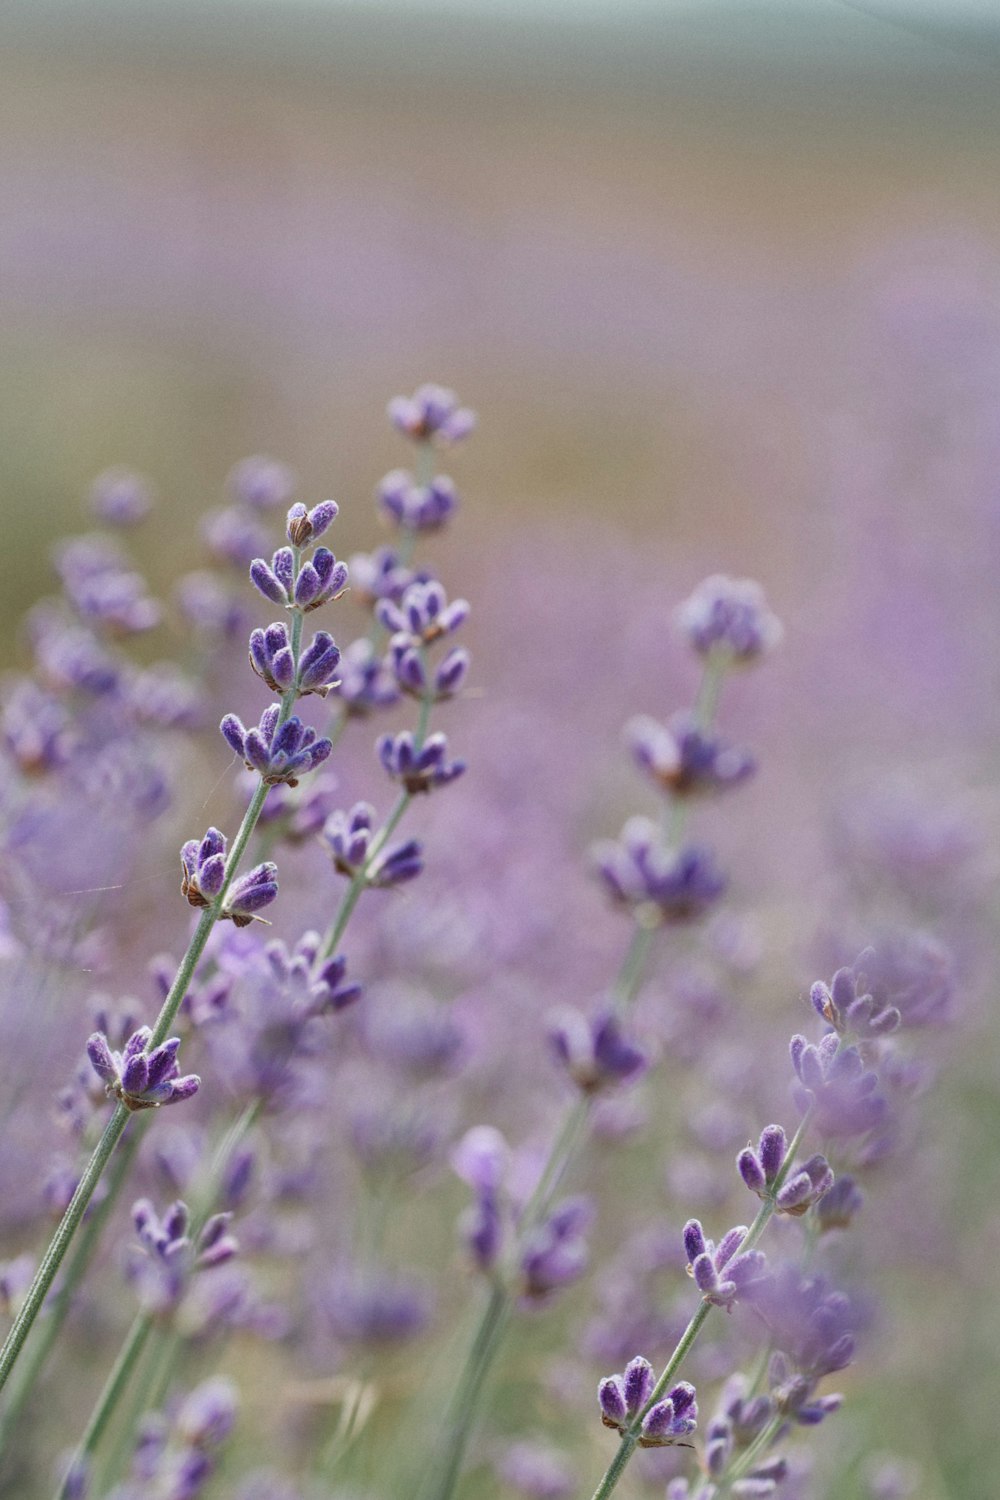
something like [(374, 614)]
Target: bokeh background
[(723, 282)]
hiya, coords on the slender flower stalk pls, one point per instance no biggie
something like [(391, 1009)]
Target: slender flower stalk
[(61, 1240)]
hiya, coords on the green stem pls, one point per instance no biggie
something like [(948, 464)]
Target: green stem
[(60, 1242), (630, 1437), (443, 1477), (115, 1128), (48, 1331), (117, 1382)]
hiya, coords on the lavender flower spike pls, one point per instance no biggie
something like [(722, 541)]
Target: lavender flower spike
[(849, 1008), (278, 753), (431, 414), (203, 871), (141, 1079), (305, 526), (729, 616), (624, 1397), (721, 1274), (419, 770), (801, 1189), (682, 759), (662, 885)]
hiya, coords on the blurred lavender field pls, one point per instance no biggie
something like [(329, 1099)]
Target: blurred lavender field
[(724, 289)]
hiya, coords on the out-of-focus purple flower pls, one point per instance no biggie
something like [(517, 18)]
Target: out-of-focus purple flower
[(660, 884), (366, 680), (203, 872), (837, 1208), (537, 1470), (70, 658), (36, 728), (103, 589), (314, 987), (554, 1254), (409, 1030), (261, 483), (849, 1007), (911, 972), (15, 1278), (481, 1159), (211, 605), (277, 752), (121, 497), (300, 817), (685, 759), (374, 1306), (414, 506), (164, 697), (174, 1458), (347, 835), (418, 769), (304, 526), (431, 415), (624, 1397), (810, 1324), (167, 1256), (423, 614), (141, 1079), (722, 1274), (838, 1087), (595, 1053), (380, 575), (801, 1187), (729, 617), (233, 535)]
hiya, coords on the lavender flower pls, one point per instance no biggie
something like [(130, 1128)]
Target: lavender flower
[(623, 1399), (849, 1009), (120, 497), (659, 884), (277, 752), (366, 680), (313, 583), (203, 874), (685, 760), (423, 614), (167, 1256), (554, 1254), (305, 526), (837, 1086), (141, 1079), (261, 483), (415, 506), (800, 1189), (431, 415), (537, 1470), (596, 1054), (722, 1274), (730, 617), (418, 769)]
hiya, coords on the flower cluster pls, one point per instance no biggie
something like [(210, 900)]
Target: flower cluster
[(627, 1399)]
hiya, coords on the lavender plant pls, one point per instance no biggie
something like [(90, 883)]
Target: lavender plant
[(266, 1234)]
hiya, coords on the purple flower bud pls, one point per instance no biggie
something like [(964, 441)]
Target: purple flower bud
[(614, 1407), (638, 1383), (305, 526), (751, 1170), (138, 1079), (267, 582), (729, 616), (418, 769), (771, 1150), (416, 507), (250, 893), (431, 415), (271, 657)]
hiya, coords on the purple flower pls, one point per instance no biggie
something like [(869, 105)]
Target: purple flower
[(315, 582), (417, 507), (661, 884), (261, 483), (271, 656), (837, 1086), (318, 666), (418, 769), (375, 1306), (234, 536), (141, 1079), (380, 575), (203, 873), (167, 1255), (554, 1254), (306, 526), (366, 680), (801, 1187), (683, 758), (537, 1470), (277, 752), (624, 1398), (730, 617), (424, 614), (348, 835), (595, 1053), (837, 1208), (120, 497), (722, 1274), (431, 415), (849, 1008), (809, 1322)]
